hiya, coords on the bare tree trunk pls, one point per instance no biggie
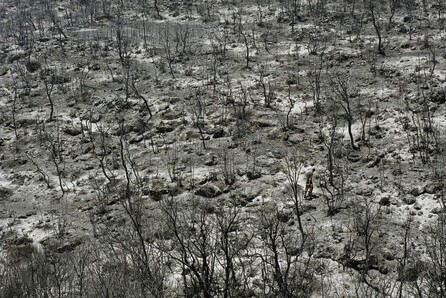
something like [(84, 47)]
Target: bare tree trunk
[(49, 85), (377, 27)]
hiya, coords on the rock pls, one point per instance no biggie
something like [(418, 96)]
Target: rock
[(5, 193), (325, 252), (366, 191), (15, 55), (31, 213), (163, 128), (295, 139), (3, 71), (250, 193), (192, 134), (417, 206), (417, 191), (136, 139), (22, 241), (32, 65), (432, 188), (404, 45), (374, 162), (407, 19), (137, 126), (211, 161), (87, 148), (436, 210), (284, 215), (354, 157), (438, 96), (209, 190), (218, 133), (59, 79), (72, 131), (94, 67), (251, 174), (389, 256), (384, 201), (95, 117), (277, 154), (68, 246), (409, 200), (158, 190)]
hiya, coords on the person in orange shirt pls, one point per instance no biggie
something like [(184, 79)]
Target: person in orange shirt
[(309, 184)]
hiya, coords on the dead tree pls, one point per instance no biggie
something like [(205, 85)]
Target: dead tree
[(291, 103), (233, 247), (165, 40), (285, 271), (315, 78), (374, 11), (197, 107), (54, 145), (157, 9), (49, 82), (101, 147), (333, 182), (152, 278), (343, 94), (195, 238), (292, 168), (139, 95), (268, 88)]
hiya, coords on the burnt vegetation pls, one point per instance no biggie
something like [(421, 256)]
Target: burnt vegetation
[(160, 148)]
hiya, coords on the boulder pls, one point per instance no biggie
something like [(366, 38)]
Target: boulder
[(277, 154), (3, 71), (374, 162), (95, 117), (163, 128), (436, 210), (295, 139), (136, 139), (15, 55), (158, 190), (24, 240), (68, 246), (211, 161), (208, 190), (417, 191), (5, 193), (409, 200), (218, 133), (385, 201), (354, 157), (438, 96), (432, 188), (138, 126), (284, 215), (417, 206), (33, 65), (72, 131), (250, 193), (253, 174)]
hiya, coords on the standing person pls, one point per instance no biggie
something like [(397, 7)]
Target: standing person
[(309, 184)]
